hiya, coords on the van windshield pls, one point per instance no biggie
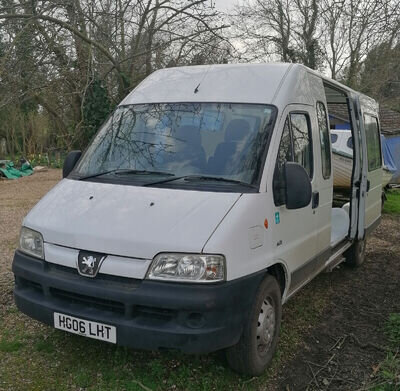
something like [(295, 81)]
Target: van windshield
[(182, 139)]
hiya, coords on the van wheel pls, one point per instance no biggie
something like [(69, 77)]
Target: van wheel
[(355, 255), (257, 345), (384, 198)]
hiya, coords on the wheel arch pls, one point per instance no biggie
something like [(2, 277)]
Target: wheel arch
[(280, 271)]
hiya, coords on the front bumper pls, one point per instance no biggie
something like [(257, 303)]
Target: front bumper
[(147, 314)]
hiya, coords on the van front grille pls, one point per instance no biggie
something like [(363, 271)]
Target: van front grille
[(22, 282), (128, 283), (94, 302)]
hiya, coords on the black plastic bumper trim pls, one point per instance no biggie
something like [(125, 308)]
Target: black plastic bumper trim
[(149, 315)]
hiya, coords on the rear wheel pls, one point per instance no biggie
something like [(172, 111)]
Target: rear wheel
[(257, 345), (355, 255), (384, 198)]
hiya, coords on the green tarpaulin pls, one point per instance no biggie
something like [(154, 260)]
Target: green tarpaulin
[(8, 169)]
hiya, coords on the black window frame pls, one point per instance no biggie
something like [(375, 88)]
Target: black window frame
[(289, 120), (329, 140), (307, 115), (279, 196), (378, 127)]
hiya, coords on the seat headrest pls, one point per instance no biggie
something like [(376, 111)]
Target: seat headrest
[(237, 130)]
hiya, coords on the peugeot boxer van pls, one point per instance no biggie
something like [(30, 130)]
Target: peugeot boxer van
[(202, 205)]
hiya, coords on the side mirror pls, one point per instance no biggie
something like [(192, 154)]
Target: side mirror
[(70, 162), (298, 186)]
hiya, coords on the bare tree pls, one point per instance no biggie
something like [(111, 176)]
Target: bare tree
[(350, 29), (280, 29), (336, 34), (82, 45)]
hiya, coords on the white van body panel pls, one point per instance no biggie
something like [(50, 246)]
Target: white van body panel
[(119, 220), (295, 246), (278, 84), (247, 245), (129, 222), (113, 265), (238, 240), (373, 195), (324, 186), (216, 83)]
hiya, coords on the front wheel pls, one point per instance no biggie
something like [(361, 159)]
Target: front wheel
[(355, 255), (257, 345)]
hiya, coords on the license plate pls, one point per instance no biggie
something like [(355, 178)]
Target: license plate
[(87, 328)]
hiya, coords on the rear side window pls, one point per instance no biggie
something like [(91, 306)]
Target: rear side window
[(324, 140), (350, 142), (295, 146), (334, 138), (373, 143), (302, 146)]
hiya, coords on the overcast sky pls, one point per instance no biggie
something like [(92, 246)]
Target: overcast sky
[(224, 5)]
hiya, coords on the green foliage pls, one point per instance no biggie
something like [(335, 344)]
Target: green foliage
[(96, 108), (49, 160), (311, 56), (25, 128), (388, 374), (393, 329), (52, 160), (380, 74), (392, 204)]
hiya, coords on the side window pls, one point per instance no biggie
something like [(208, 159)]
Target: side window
[(373, 142), (333, 138), (324, 140), (302, 145), (284, 155), (350, 142)]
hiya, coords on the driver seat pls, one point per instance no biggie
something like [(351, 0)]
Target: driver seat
[(235, 132)]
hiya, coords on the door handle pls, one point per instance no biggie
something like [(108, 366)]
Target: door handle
[(368, 185), (315, 199)]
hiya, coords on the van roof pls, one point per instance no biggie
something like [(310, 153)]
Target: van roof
[(270, 83)]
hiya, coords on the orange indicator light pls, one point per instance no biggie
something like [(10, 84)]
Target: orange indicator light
[(266, 223)]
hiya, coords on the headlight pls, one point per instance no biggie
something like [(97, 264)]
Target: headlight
[(187, 267), (31, 242)]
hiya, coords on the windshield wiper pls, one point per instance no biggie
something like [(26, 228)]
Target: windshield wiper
[(125, 171), (201, 178)]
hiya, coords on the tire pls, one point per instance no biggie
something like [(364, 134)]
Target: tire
[(256, 347), (384, 198), (355, 255)]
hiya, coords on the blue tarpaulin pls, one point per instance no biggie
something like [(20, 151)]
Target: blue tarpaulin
[(391, 156)]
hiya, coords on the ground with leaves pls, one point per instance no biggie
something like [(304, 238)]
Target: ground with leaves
[(339, 333)]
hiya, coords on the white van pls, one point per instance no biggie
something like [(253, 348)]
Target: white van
[(201, 206)]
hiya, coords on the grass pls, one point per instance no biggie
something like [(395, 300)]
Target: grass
[(393, 329), (37, 357), (41, 159), (392, 204), (388, 371), (77, 363), (10, 345)]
